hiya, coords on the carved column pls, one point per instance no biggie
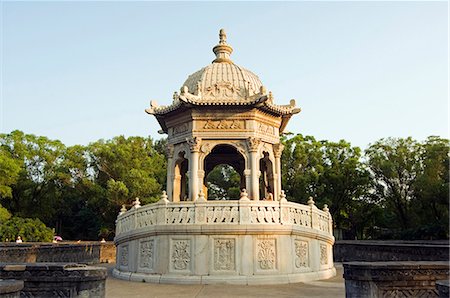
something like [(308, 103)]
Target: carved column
[(194, 145), (253, 144), (277, 151), (170, 172)]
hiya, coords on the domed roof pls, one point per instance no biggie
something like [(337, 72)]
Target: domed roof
[(222, 83), (223, 80)]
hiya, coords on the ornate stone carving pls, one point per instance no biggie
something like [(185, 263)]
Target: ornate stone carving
[(170, 150), (224, 124), (266, 129), (146, 254), (223, 89), (253, 144), (124, 256), (180, 129), (224, 254), (278, 150), (206, 148), (266, 254), (323, 254), (181, 256), (301, 253), (194, 143)]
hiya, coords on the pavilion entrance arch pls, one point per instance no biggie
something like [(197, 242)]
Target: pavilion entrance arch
[(224, 154)]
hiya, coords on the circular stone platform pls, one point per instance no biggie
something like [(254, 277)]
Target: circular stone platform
[(236, 242)]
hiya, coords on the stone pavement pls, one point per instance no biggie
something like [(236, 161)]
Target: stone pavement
[(333, 287)]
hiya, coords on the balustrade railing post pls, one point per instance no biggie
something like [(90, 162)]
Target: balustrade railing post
[(313, 211), (161, 209), (284, 209), (244, 208)]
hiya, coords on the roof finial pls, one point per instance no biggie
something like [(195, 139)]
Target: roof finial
[(222, 36), (222, 50)]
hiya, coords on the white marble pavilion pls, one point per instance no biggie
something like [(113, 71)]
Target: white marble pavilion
[(224, 115)]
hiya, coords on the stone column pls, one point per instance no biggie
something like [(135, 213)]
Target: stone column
[(170, 170), (176, 190), (277, 151), (194, 145), (253, 144)]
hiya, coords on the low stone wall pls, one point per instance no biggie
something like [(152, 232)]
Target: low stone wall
[(10, 288), (379, 251), (393, 279), (85, 252), (57, 279)]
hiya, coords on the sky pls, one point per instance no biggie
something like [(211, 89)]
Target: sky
[(360, 71)]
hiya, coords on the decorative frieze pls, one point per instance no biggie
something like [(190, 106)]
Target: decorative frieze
[(222, 124), (266, 254), (224, 254), (224, 90), (266, 129), (181, 254), (323, 254), (179, 129), (301, 253), (146, 251)]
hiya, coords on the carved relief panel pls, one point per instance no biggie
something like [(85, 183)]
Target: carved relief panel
[(224, 254), (123, 256), (222, 124), (301, 254), (266, 254), (180, 255), (146, 253), (323, 254)]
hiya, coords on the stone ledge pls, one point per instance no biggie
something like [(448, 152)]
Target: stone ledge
[(232, 280), (393, 279), (10, 286), (57, 279)]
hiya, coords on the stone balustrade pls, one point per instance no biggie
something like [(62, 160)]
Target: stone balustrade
[(224, 213), (239, 242)]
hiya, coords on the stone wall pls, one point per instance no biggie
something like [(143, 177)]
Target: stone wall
[(57, 279), (10, 288), (393, 279), (377, 251), (85, 252)]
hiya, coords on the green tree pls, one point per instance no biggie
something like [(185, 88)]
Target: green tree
[(395, 164), (31, 230), (330, 172), (223, 183), (4, 214), (431, 188)]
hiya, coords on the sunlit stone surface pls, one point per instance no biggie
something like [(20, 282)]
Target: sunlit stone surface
[(224, 115)]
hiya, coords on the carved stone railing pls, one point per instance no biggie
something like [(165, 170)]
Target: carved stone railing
[(224, 212)]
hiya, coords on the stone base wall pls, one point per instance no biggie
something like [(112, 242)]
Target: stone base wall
[(379, 251), (237, 258), (393, 279), (57, 279), (85, 252)]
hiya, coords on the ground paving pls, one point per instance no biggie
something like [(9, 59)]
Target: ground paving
[(333, 287)]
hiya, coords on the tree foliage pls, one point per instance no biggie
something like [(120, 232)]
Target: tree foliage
[(397, 188)]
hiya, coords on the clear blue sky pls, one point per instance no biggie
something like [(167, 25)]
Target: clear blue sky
[(360, 71)]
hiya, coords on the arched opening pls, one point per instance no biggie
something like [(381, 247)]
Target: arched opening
[(266, 180), (224, 173), (180, 179)]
